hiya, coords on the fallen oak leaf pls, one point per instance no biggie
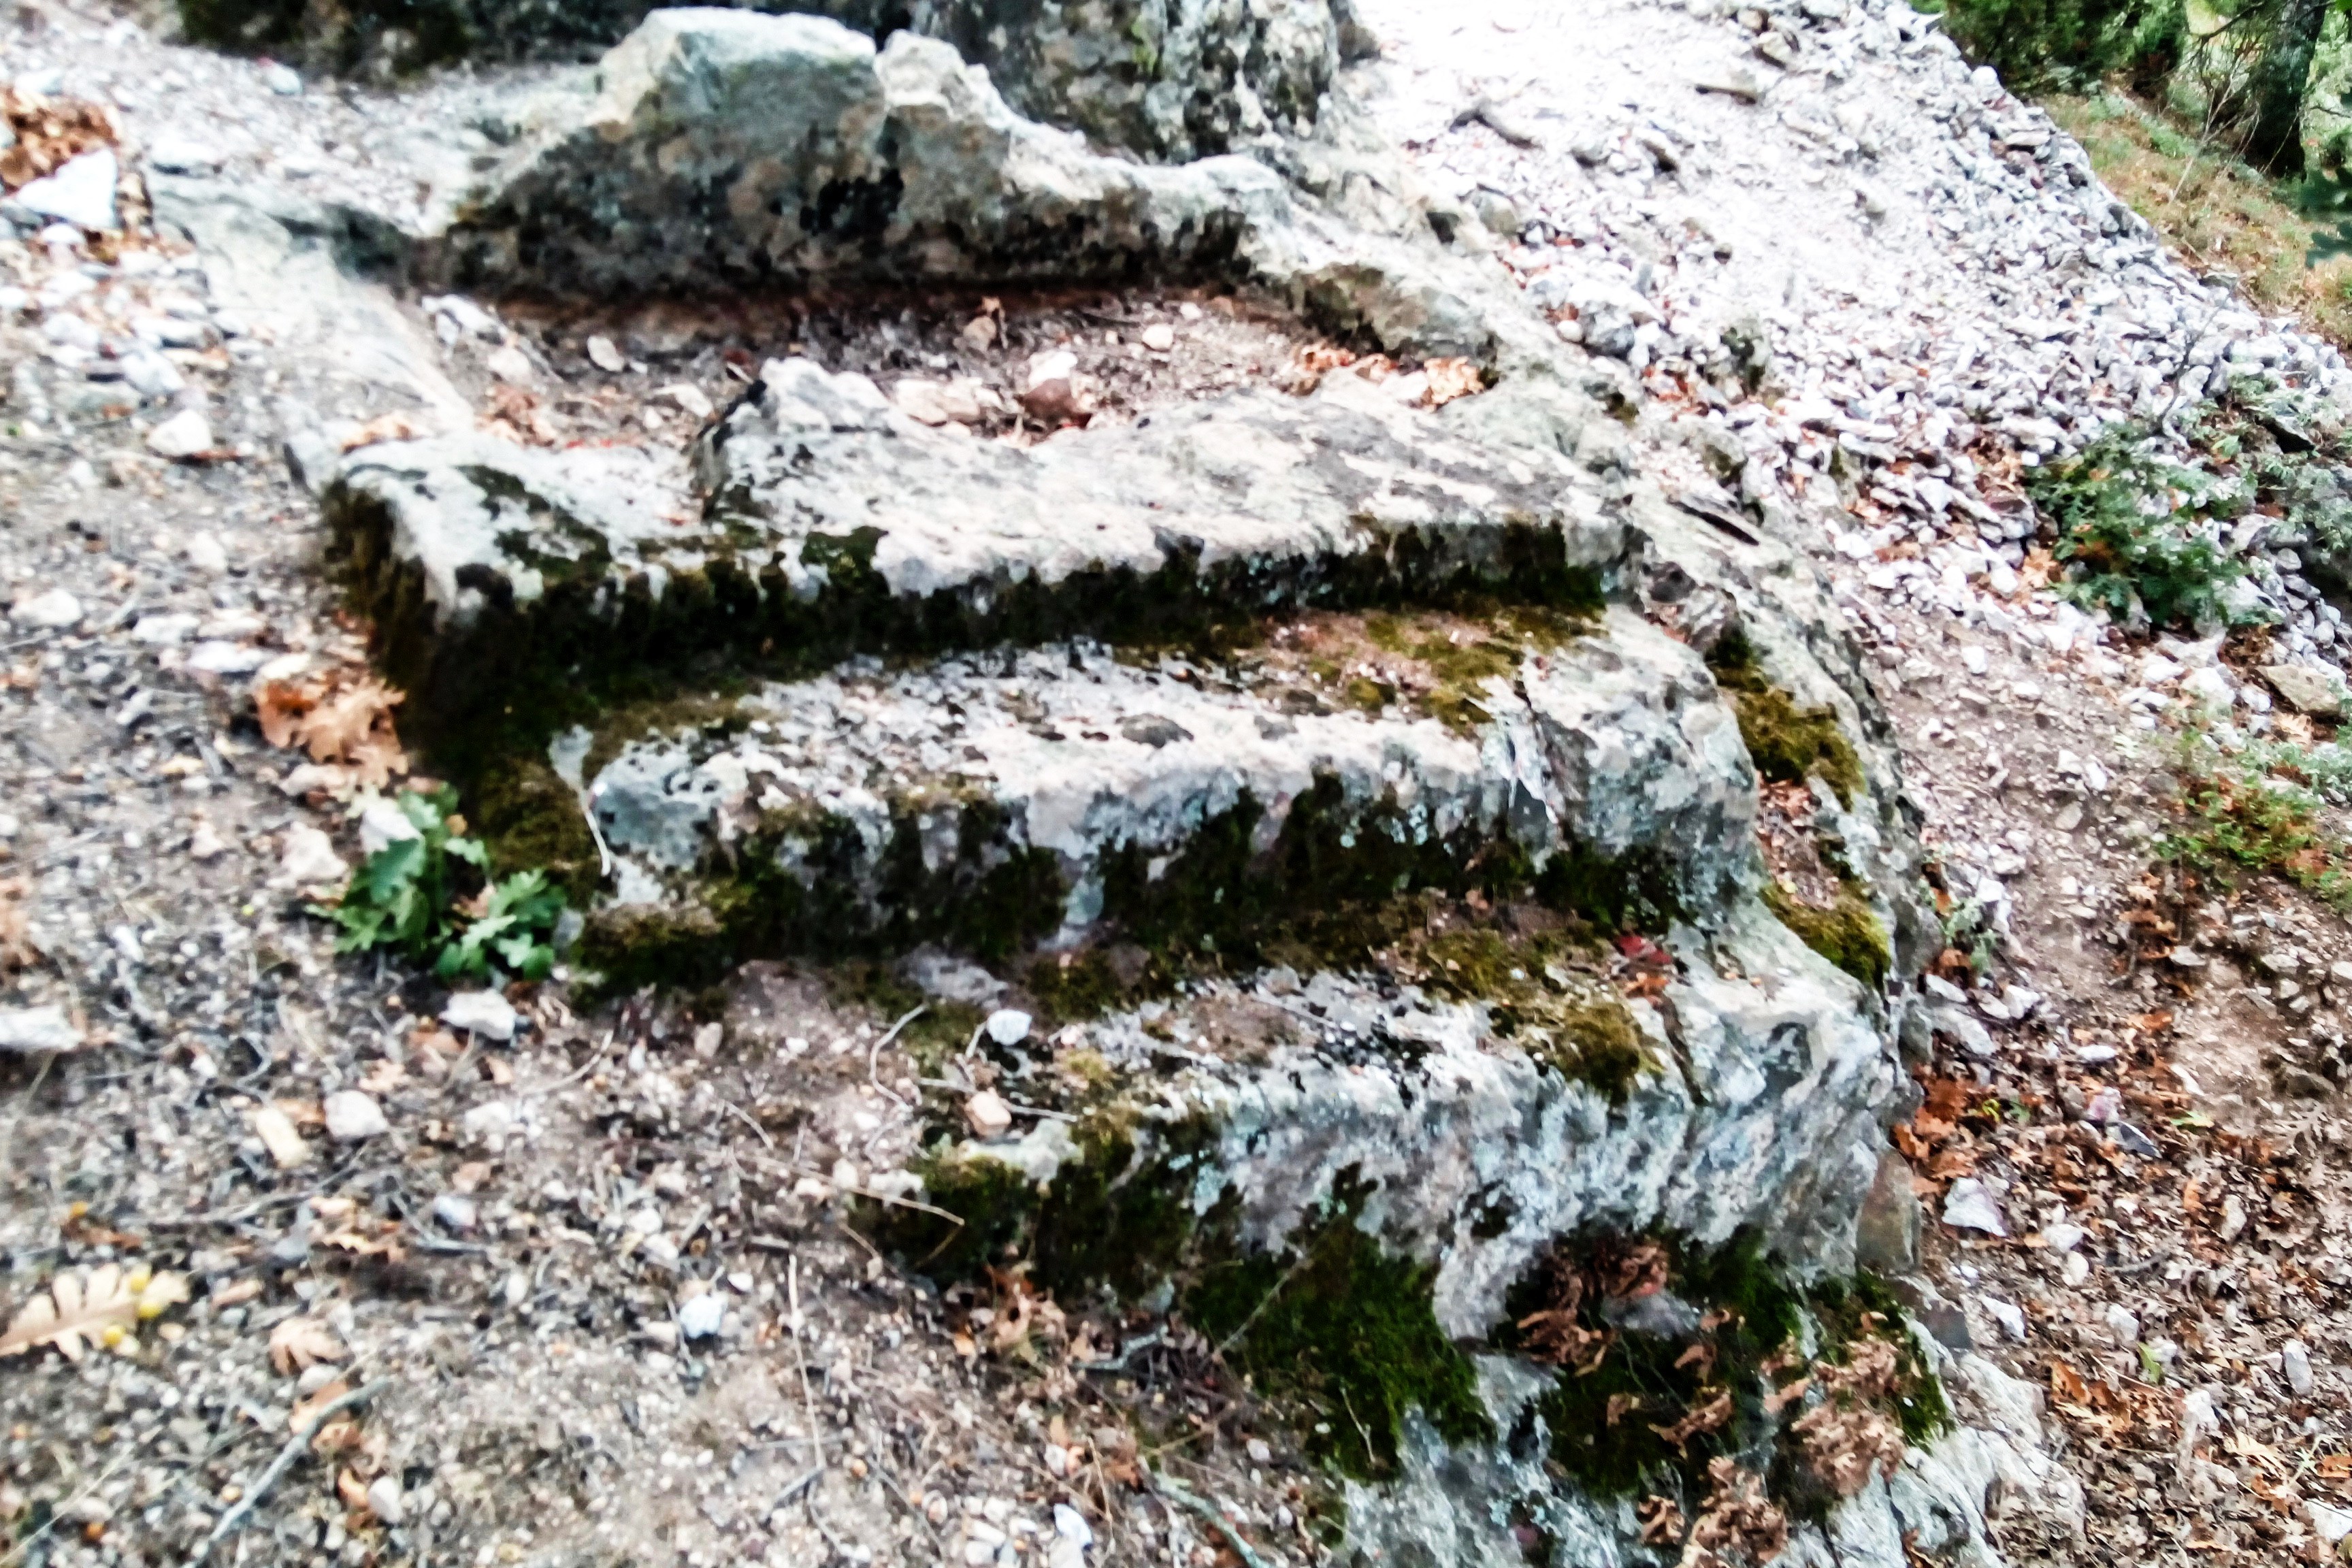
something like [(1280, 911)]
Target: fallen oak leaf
[(298, 1343)]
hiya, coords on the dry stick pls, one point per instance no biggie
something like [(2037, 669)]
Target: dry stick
[(234, 1520), (748, 1120), (889, 1198), (800, 1357), (64, 1510), (874, 1056), (1170, 1487), (8, 1133)]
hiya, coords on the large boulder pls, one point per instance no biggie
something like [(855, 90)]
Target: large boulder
[(1164, 81)]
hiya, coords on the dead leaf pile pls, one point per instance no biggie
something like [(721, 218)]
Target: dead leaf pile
[(50, 132), (1609, 1271), (1739, 1527), (342, 719), (103, 1308), (515, 415)]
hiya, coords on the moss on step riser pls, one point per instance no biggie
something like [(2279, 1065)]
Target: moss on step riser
[(803, 884), (1334, 1327), (522, 671), (1787, 743), (1848, 934), (1334, 889)]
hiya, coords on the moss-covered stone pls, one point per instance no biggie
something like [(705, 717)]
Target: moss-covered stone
[(1656, 1394), (1787, 743), (1578, 1026), (1344, 1330), (802, 885), (1847, 933), (1117, 1216), (530, 818)]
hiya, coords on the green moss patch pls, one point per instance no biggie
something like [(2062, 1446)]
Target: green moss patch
[(802, 885), (531, 819), (1341, 883), (1576, 1024), (1847, 933), (1345, 1332), (1436, 662), (1118, 1216), (1787, 743)]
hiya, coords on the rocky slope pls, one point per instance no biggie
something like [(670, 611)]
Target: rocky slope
[(1236, 886)]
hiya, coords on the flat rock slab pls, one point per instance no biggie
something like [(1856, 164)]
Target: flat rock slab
[(995, 802), (820, 523), (2318, 692), (732, 148)]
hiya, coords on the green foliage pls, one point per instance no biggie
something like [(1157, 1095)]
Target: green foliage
[(406, 899), (2134, 548), (1347, 1330), (2324, 769), (2238, 816), (2069, 43)]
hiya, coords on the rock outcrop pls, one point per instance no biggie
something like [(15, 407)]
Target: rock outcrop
[(1162, 81), (1380, 781)]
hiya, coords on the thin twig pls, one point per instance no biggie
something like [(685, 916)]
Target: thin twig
[(874, 1054), (748, 1120), (800, 1358), (1266, 1300), (891, 1198), (234, 1520), (1170, 1487)]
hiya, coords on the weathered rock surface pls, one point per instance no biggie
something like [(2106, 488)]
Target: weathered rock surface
[(725, 149), (730, 147), (1164, 79), (834, 524), (996, 801)]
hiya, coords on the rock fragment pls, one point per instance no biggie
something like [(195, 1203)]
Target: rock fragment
[(1969, 1205), (53, 610), (26, 1030), (184, 436), (484, 1012), (352, 1116)]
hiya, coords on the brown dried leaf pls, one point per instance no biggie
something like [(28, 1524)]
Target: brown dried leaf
[(1662, 1521), (100, 1308), (298, 1343), (304, 1409), (342, 717), (1739, 1525), (1844, 1445), (383, 427), (1705, 1417), (1449, 379), (17, 949)]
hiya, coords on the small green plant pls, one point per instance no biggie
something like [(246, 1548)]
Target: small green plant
[(405, 898), (2133, 530), (2238, 815)]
